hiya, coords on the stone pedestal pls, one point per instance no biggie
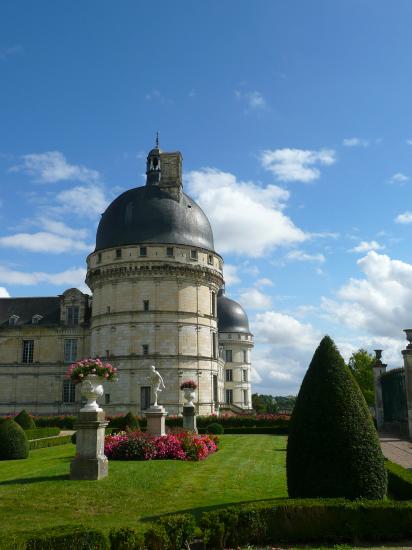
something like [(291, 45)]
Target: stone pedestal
[(156, 416), (90, 461), (189, 418)]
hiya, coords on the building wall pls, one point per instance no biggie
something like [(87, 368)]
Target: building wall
[(240, 345)]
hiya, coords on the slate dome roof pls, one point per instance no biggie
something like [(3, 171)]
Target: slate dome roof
[(150, 215), (231, 317)]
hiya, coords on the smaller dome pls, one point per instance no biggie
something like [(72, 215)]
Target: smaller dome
[(231, 317)]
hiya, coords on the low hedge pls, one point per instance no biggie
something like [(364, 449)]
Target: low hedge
[(399, 481), (38, 433), (68, 538), (49, 442), (64, 422), (293, 521), (249, 431)]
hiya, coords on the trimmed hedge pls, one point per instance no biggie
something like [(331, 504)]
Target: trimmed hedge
[(126, 539), (38, 433), (64, 422), (68, 538), (49, 442), (215, 428), (251, 431), (293, 521), (13, 441), (399, 481), (24, 420)]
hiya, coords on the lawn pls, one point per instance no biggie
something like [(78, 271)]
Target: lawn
[(37, 492)]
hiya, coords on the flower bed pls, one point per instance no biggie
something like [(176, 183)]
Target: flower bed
[(140, 446)]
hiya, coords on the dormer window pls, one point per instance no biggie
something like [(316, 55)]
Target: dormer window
[(13, 320), (36, 319)]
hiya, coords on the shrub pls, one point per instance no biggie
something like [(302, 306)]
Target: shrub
[(252, 430), (49, 442), (24, 420), (215, 428), (130, 422), (399, 481), (38, 433), (180, 529), (156, 538), (333, 449), (64, 422), (126, 539), (68, 538), (13, 441)]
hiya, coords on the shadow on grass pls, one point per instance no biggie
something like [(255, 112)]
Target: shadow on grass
[(28, 480)]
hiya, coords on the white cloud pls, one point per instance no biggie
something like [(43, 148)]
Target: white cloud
[(263, 282), (246, 218), (284, 331), (73, 277), (297, 164), (253, 99), (355, 142), (300, 256), (60, 228), (252, 298), (157, 96), (398, 178), (406, 217), (4, 292), (52, 166), (365, 246), (44, 242), (84, 201), (230, 274), (409, 141)]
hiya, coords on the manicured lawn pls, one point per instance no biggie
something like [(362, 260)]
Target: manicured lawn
[(36, 493)]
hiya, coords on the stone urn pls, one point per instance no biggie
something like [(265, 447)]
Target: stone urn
[(91, 388), (189, 394)]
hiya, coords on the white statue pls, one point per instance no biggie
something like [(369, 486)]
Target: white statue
[(156, 381)]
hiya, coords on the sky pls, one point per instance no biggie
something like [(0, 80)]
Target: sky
[(294, 122)]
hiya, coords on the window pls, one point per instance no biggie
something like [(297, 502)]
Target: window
[(70, 350), (145, 349), (245, 356), (36, 319), (145, 305), (210, 259), (229, 356), (99, 257), (69, 391), (244, 375), (28, 346), (118, 252), (108, 309), (72, 315), (169, 252), (145, 392), (213, 304), (106, 398), (13, 320), (245, 400), (229, 396), (193, 254), (229, 375), (143, 251), (214, 345), (215, 399)]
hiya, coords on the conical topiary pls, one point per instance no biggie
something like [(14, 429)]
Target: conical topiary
[(24, 420), (13, 441), (130, 422), (333, 448)]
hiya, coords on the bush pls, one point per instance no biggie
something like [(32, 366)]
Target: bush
[(123, 423), (252, 430), (333, 449), (156, 538), (126, 539), (24, 420), (13, 441), (64, 422), (215, 428), (49, 442), (68, 538), (180, 530), (38, 433), (399, 481)]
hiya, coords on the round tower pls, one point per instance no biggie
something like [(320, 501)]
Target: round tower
[(235, 345), (155, 277)]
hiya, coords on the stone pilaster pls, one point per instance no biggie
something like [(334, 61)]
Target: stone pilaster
[(378, 368), (407, 360), (90, 462)]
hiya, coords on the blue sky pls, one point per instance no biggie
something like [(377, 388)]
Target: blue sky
[(294, 122)]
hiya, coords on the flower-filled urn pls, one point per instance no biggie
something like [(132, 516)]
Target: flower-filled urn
[(189, 387)]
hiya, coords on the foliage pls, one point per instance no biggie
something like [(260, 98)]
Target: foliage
[(140, 446), (361, 365), (244, 420), (126, 539), (49, 442), (399, 481), (215, 428), (188, 384), (24, 420), (180, 530), (333, 448), (79, 370), (38, 433), (68, 538), (156, 538), (264, 403), (128, 421), (286, 403), (251, 430), (64, 422), (13, 441)]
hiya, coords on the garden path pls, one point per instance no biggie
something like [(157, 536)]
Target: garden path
[(397, 450)]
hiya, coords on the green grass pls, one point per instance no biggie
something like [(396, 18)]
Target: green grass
[(37, 493)]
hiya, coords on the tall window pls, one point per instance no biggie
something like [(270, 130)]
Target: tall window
[(244, 375), (229, 396), (245, 356), (245, 401), (69, 391), (215, 398), (70, 350), (145, 349), (143, 251), (118, 252), (169, 251), (210, 259), (14, 319), (213, 296), (73, 315), (107, 398), (99, 257), (193, 254), (28, 347), (145, 397), (214, 345), (145, 305), (229, 375), (229, 356)]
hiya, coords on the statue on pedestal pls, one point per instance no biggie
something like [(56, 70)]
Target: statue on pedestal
[(156, 381)]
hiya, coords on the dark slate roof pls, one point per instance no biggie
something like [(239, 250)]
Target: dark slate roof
[(25, 308), (150, 215), (231, 317)]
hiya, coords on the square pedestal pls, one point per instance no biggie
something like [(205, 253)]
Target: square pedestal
[(189, 418), (90, 461), (156, 420)]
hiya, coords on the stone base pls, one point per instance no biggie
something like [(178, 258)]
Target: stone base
[(156, 420), (189, 418), (89, 468)]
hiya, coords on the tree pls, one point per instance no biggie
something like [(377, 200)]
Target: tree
[(333, 449), (360, 364), (264, 404)]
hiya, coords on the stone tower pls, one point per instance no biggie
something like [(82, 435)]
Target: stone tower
[(155, 277)]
